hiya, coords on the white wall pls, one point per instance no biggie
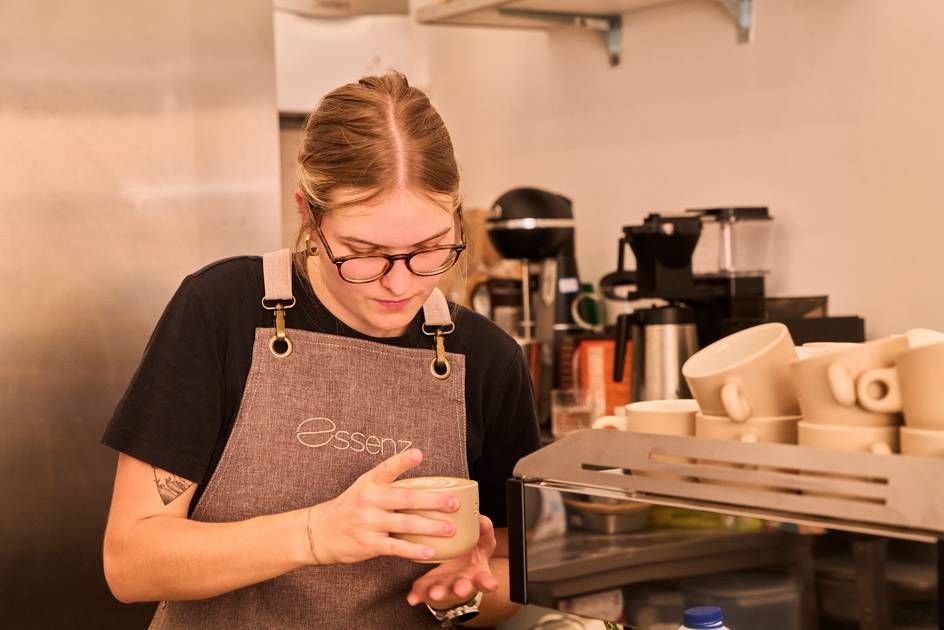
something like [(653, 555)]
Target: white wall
[(833, 117), (314, 56)]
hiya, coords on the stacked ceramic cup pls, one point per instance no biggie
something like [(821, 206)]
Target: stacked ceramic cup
[(743, 387), (834, 414), (914, 386)]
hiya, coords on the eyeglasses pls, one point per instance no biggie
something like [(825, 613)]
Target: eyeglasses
[(427, 261)]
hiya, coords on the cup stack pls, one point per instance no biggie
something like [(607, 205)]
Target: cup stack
[(743, 387), (835, 415), (914, 386)]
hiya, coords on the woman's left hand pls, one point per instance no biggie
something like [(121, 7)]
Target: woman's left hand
[(456, 581)]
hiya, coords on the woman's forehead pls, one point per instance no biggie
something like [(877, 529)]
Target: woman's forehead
[(400, 219), (403, 203)]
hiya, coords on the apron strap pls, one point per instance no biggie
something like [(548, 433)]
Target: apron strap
[(436, 309), (438, 324), (277, 277), (277, 274)]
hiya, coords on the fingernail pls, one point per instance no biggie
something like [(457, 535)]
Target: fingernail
[(453, 503), (428, 552), (450, 529)]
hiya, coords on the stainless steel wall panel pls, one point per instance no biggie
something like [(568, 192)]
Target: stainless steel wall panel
[(138, 142)]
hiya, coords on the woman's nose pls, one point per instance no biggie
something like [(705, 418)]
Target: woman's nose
[(398, 279)]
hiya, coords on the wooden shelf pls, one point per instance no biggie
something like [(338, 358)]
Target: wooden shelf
[(604, 16)]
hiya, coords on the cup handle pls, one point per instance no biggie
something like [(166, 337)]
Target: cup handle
[(575, 312), (880, 448), (890, 401), (733, 401), (841, 383)]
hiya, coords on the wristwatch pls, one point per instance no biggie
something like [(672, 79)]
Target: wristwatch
[(458, 615)]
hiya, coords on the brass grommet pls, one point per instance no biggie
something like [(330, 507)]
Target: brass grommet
[(288, 346), (434, 365)]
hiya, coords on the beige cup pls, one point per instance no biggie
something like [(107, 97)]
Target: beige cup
[(782, 429), (915, 386), (745, 374), (666, 417), (922, 442), (879, 440), (465, 519), (825, 383), (918, 337), (614, 423)]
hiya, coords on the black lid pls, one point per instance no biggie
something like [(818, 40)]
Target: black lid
[(666, 315), (735, 213), (531, 203)]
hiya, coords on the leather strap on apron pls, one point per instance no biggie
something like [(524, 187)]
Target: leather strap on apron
[(308, 426), (277, 276)]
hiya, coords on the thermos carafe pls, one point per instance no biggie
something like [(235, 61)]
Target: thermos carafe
[(663, 339)]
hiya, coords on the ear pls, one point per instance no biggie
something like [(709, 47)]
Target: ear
[(301, 205)]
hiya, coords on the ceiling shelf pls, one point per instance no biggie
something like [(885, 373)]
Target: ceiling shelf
[(604, 16)]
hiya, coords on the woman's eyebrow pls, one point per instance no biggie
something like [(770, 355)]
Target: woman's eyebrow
[(354, 239)]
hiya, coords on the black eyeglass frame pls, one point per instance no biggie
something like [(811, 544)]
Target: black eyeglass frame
[(457, 247)]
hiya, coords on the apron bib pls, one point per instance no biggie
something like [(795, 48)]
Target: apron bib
[(310, 422)]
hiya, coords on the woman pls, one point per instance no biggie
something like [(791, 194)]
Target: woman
[(254, 479)]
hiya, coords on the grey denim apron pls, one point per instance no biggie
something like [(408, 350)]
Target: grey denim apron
[(311, 421)]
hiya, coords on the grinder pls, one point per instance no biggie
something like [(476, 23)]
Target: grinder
[(537, 227)]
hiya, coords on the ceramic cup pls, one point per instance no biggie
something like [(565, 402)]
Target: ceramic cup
[(825, 383), (829, 346), (614, 423), (666, 417), (922, 442), (465, 519), (915, 386), (918, 337), (745, 374), (879, 440), (782, 429)]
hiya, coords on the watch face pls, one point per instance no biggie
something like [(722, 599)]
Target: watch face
[(469, 616)]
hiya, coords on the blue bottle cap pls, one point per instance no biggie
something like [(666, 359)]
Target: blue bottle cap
[(704, 617)]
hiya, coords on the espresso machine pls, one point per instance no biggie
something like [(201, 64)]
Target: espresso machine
[(701, 307), (537, 227)]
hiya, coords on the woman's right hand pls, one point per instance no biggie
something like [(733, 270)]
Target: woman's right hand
[(356, 525)]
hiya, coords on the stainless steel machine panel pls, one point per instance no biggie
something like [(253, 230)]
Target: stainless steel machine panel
[(138, 142)]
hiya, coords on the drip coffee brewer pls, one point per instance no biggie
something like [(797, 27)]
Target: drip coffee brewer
[(696, 307), (537, 227), (727, 294)]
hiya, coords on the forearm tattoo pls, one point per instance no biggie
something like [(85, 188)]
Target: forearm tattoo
[(170, 486)]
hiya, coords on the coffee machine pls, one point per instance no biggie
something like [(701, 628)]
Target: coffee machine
[(537, 227), (700, 308)]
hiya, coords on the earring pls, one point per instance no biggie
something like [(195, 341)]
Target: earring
[(311, 250)]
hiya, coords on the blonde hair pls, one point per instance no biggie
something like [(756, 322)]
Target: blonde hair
[(370, 138)]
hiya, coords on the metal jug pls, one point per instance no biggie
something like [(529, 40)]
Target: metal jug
[(663, 339)]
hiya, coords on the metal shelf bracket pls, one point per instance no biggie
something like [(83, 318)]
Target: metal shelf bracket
[(610, 25), (742, 11)]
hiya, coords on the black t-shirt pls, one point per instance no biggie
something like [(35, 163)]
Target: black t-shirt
[(181, 404)]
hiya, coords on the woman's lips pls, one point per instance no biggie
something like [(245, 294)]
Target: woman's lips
[(393, 305)]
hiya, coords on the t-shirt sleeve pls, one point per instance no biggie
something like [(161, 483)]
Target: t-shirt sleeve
[(171, 414), (511, 433)]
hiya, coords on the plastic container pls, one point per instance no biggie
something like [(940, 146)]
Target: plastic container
[(703, 617), (750, 599)]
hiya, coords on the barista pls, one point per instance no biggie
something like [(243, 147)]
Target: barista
[(253, 486)]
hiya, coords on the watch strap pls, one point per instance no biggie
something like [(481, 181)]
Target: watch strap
[(457, 615)]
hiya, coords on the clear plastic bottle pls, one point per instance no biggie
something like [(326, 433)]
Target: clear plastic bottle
[(703, 617)]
